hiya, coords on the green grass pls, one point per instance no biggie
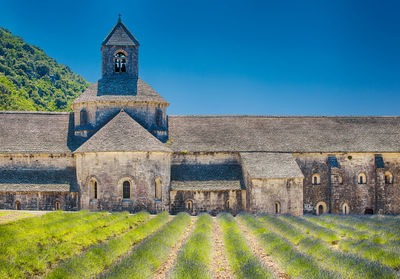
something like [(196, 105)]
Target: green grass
[(291, 261), (347, 265), (145, 259), (102, 256), (195, 256), (242, 261)]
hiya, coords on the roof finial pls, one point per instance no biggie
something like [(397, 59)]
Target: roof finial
[(119, 17)]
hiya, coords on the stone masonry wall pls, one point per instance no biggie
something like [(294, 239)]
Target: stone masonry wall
[(111, 169)]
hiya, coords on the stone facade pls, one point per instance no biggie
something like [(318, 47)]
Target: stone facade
[(118, 150)]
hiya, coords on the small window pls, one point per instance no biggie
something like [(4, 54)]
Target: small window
[(277, 207), (159, 117), (83, 117), (94, 189), (158, 189), (57, 205), (345, 209), (18, 205), (388, 177), (126, 190), (362, 178), (189, 205), (316, 179), (227, 204), (340, 179), (120, 62)]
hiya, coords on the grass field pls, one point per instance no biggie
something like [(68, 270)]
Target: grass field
[(121, 245)]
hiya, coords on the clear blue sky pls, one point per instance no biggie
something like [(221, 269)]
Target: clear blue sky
[(235, 57)]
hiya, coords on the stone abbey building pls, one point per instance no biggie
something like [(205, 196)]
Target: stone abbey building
[(119, 150)]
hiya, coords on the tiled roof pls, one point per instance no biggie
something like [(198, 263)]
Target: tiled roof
[(285, 133), (120, 36), (36, 132), (34, 180), (122, 133), (4, 187), (120, 92), (210, 185), (270, 165)]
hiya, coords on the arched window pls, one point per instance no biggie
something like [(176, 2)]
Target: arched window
[(83, 117), (126, 190), (340, 179), (57, 205), (345, 209), (18, 205), (316, 179), (227, 204), (189, 205), (388, 177), (120, 62), (277, 207), (94, 189), (362, 178), (158, 189), (321, 208)]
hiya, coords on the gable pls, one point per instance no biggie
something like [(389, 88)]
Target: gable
[(120, 36)]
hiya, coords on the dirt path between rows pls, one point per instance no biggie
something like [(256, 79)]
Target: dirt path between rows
[(219, 264), (265, 259), (163, 271)]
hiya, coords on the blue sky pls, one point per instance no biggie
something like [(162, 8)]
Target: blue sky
[(235, 57)]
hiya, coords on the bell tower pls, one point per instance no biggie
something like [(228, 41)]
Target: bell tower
[(119, 67)]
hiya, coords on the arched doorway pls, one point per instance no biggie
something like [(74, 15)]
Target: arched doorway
[(277, 207), (345, 209), (18, 205), (189, 205), (57, 205), (369, 211), (321, 208)]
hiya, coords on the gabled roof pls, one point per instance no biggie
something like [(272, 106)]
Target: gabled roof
[(145, 93), (270, 165), (373, 134), (36, 132), (120, 36), (122, 134)]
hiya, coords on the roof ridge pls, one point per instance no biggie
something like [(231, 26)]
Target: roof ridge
[(36, 112)]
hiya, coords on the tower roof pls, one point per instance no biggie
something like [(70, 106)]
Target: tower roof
[(120, 36), (122, 134)]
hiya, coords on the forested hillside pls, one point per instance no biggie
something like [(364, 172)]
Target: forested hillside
[(31, 80)]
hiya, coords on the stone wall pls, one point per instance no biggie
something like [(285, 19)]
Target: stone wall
[(107, 66), (36, 161), (111, 169), (39, 200), (212, 202), (265, 193)]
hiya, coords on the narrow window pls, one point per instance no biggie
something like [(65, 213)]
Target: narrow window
[(83, 117), (120, 62), (362, 178), (388, 177), (159, 117), (316, 179), (17, 205), (126, 190), (158, 189), (228, 204), (57, 205), (277, 207), (94, 189), (345, 209), (189, 205)]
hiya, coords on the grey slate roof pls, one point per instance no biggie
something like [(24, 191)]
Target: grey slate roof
[(4, 187), (122, 133), (35, 180), (145, 93), (36, 132), (285, 133), (270, 165), (210, 185), (120, 36)]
